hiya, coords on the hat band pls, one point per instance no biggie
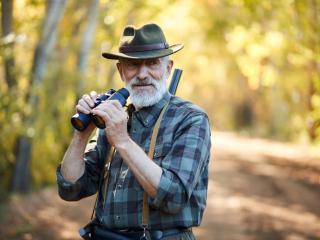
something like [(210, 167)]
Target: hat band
[(145, 47)]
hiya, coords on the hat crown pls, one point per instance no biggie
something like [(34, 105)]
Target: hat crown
[(148, 34), (145, 42)]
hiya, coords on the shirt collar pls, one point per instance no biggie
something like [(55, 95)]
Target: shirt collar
[(149, 115)]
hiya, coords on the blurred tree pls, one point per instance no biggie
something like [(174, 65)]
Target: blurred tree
[(10, 80), (252, 65), (54, 11), (86, 43), (8, 39), (312, 41)]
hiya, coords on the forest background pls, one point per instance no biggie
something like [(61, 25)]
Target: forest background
[(254, 66)]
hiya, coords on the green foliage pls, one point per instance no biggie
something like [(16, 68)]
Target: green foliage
[(252, 65)]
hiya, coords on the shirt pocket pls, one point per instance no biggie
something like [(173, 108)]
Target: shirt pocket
[(160, 152)]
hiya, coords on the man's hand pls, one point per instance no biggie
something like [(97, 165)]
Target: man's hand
[(115, 119), (85, 105)]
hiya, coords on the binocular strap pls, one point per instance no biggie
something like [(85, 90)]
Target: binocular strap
[(104, 179)]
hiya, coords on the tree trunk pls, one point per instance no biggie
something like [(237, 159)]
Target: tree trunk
[(313, 68), (76, 26), (45, 46), (8, 39), (86, 43), (21, 176)]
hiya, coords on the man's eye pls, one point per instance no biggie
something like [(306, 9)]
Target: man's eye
[(152, 62), (133, 64)]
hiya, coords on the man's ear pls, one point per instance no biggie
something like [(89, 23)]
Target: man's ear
[(119, 67), (169, 66)]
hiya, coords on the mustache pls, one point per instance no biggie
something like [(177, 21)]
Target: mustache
[(138, 82)]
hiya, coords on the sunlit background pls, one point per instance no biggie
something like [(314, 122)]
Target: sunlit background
[(253, 66)]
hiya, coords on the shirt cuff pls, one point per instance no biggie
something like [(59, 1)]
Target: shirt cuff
[(163, 189), (68, 190)]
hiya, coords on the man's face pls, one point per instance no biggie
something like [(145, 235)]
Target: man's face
[(145, 79)]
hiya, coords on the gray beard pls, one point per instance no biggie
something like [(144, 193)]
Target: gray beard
[(146, 98)]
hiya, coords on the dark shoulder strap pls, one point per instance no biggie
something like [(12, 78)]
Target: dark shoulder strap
[(104, 179)]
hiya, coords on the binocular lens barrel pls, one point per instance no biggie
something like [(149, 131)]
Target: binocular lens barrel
[(81, 121), (98, 121)]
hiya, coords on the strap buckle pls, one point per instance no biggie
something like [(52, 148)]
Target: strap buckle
[(146, 234)]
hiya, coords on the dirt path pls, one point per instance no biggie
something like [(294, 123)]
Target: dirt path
[(258, 189), (262, 190)]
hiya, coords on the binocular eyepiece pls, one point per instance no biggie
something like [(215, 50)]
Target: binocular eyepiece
[(81, 121)]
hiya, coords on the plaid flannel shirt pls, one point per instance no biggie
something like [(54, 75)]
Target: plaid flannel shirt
[(182, 151)]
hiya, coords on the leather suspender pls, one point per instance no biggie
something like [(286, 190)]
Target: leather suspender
[(145, 210)]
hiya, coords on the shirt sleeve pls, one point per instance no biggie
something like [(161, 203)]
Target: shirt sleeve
[(87, 184), (184, 164)]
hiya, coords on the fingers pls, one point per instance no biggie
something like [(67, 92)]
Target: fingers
[(111, 111), (88, 100), (112, 105), (107, 118), (82, 109), (115, 103), (93, 95), (86, 103)]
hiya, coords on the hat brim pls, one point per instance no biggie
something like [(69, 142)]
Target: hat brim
[(144, 54)]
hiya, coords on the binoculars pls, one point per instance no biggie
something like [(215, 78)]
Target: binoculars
[(81, 121)]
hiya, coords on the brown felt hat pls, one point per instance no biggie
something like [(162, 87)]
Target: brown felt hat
[(143, 43)]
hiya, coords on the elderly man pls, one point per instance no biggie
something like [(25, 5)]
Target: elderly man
[(160, 196)]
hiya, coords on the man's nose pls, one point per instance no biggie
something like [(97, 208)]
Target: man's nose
[(142, 72)]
